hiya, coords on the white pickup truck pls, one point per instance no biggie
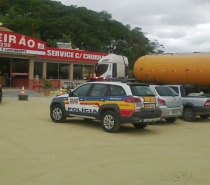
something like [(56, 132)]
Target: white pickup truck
[(195, 103)]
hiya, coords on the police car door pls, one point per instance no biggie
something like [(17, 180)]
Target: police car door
[(76, 104), (96, 97)]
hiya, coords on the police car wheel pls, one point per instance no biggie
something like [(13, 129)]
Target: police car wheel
[(140, 125), (57, 114), (109, 122)]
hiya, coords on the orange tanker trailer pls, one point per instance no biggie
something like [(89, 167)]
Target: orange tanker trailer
[(174, 69)]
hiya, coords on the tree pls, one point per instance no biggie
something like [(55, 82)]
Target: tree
[(54, 22)]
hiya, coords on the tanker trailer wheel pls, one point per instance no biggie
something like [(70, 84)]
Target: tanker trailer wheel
[(204, 116), (189, 115)]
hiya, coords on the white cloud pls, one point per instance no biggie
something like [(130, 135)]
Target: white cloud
[(181, 26)]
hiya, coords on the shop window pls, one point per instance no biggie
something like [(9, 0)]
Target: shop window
[(78, 72), (38, 69), (64, 71), (57, 71), (81, 72), (20, 68), (88, 71)]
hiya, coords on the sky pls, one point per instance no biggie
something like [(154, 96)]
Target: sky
[(179, 25)]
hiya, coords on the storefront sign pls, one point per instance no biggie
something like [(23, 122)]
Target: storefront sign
[(21, 74), (71, 84), (72, 55), (17, 43)]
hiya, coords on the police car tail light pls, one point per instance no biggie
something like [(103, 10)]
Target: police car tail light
[(132, 100), (207, 103), (161, 102)]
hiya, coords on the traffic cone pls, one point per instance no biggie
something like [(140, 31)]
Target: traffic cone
[(61, 92), (22, 95), (23, 91)]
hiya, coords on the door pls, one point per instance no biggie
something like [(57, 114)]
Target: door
[(76, 102), (96, 97)]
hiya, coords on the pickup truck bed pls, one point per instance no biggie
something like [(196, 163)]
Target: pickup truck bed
[(195, 103)]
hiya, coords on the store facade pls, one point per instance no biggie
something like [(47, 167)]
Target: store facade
[(24, 59)]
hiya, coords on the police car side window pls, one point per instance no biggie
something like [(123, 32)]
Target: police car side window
[(82, 90), (117, 91), (99, 90)]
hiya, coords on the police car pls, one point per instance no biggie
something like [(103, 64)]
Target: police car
[(112, 102)]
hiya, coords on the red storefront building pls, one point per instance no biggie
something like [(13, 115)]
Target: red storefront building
[(23, 58)]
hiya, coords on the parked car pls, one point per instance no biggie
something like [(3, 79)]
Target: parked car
[(113, 103), (169, 102)]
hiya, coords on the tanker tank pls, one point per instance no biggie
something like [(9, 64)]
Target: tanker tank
[(174, 69)]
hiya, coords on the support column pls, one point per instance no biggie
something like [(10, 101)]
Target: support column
[(71, 71), (31, 68), (44, 69)]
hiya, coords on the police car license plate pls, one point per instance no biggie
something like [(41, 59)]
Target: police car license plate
[(149, 106), (175, 111)]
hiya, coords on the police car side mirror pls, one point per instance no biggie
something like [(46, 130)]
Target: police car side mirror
[(70, 94)]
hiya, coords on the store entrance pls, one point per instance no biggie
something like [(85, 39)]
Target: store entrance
[(13, 70)]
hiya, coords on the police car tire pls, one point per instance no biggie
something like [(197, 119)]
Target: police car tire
[(140, 125), (57, 114), (107, 118)]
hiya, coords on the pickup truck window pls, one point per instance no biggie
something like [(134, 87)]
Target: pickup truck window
[(191, 89)]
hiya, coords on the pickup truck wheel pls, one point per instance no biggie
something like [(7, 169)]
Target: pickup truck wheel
[(204, 116), (189, 114), (140, 125), (109, 122), (171, 120), (57, 114)]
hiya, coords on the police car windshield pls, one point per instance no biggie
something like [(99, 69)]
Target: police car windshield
[(101, 69), (140, 90)]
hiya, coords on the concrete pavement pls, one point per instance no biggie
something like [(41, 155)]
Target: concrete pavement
[(12, 93)]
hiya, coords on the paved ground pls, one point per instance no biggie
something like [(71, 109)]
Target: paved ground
[(10, 92), (36, 151)]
